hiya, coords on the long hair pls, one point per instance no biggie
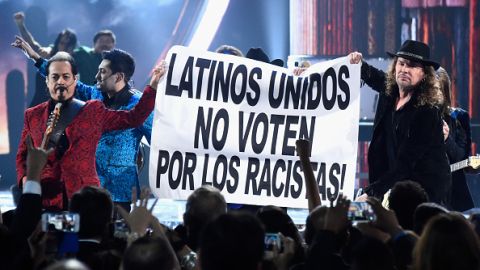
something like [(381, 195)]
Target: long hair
[(445, 87), (427, 92), (448, 242), (72, 40)]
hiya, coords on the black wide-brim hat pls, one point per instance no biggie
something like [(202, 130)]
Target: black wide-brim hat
[(259, 55), (415, 51)]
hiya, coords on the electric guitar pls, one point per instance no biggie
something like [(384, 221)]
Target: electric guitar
[(473, 162), (51, 123)]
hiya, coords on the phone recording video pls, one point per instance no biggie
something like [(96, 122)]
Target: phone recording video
[(120, 229), (272, 240), (64, 222), (361, 211)]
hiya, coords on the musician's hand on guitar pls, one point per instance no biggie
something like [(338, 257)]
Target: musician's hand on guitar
[(36, 160), (446, 130)]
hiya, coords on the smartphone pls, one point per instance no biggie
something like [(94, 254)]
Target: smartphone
[(361, 211), (272, 240), (120, 229), (64, 222)]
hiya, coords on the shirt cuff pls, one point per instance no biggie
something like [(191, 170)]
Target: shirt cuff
[(32, 187)]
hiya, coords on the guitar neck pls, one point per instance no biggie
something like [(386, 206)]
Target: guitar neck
[(459, 165)]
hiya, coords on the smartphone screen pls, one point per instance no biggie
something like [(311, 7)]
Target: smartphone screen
[(272, 240), (121, 229), (65, 222), (361, 211)]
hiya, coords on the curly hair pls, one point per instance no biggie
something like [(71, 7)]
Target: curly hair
[(428, 91)]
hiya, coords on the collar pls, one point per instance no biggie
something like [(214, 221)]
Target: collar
[(120, 98), (52, 103)]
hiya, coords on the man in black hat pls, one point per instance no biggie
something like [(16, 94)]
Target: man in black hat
[(407, 141)]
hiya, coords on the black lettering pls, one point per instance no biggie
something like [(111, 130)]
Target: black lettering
[(220, 183), (205, 171), (162, 165), (210, 80), (233, 183), (186, 82), (322, 180), (188, 169), (287, 179), (343, 85), (276, 120), (303, 98), (279, 165), (218, 144), (289, 134), (243, 135), (172, 90), (177, 158), (222, 81), (293, 92), (265, 178), (314, 89), (203, 128), (328, 103), (252, 172), (304, 133), (276, 101), (252, 98), (202, 64), (344, 170), (334, 171), (240, 70), (258, 146), (297, 177)]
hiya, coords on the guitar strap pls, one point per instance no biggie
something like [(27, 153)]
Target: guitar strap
[(67, 114)]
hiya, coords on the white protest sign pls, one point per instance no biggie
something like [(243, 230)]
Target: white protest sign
[(232, 122)]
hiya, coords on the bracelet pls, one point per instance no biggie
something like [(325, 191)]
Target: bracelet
[(189, 261)]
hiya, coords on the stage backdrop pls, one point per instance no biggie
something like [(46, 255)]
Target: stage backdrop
[(232, 122)]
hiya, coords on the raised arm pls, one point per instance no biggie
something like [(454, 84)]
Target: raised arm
[(373, 77), (83, 91), (313, 196), (115, 120), (19, 18)]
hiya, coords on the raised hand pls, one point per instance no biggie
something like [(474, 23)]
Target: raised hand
[(26, 48), (158, 73), (386, 219), (336, 219), (19, 17), (36, 159), (140, 218), (355, 57)]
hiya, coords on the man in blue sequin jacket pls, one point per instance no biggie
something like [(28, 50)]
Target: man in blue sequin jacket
[(117, 151)]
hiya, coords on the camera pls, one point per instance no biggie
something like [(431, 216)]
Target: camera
[(64, 222), (361, 211)]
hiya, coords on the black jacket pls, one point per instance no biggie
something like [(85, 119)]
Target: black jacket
[(421, 155), (458, 146)]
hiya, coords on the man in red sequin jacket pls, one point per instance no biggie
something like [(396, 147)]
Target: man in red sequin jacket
[(72, 165)]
